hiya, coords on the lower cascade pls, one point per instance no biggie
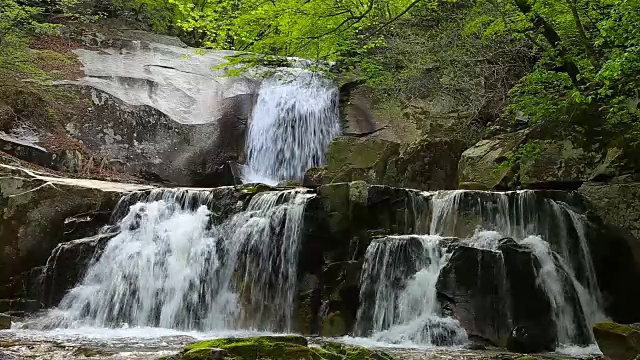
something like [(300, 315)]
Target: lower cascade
[(465, 266), (171, 267), (400, 314), (464, 273)]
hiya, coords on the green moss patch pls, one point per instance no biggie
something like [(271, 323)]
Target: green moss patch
[(278, 347)]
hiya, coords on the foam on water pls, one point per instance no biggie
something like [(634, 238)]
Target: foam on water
[(293, 122)]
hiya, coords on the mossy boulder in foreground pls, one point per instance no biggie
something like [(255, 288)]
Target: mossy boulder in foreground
[(618, 342), (275, 347)]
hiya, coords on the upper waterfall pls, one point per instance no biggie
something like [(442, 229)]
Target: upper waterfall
[(293, 122)]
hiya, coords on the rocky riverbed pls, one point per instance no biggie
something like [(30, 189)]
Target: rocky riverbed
[(153, 343)]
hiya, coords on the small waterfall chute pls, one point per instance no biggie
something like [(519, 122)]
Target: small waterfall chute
[(398, 293), (293, 122)]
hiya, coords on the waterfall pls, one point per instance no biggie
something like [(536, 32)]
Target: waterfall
[(554, 231), (398, 311), (293, 122), (171, 266)]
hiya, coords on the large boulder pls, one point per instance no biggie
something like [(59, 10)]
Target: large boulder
[(427, 164), (132, 103), (618, 342), (34, 208), (557, 165), (486, 165), (469, 292), (352, 159), (164, 109), (488, 309)]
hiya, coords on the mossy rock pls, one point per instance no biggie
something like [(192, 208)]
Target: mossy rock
[(276, 348), (334, 325), (618, 342)]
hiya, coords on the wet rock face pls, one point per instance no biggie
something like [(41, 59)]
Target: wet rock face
[(469, 291), (68, 264), (530, 340)]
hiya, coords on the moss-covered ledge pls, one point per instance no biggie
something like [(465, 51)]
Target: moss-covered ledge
[(290, 347)]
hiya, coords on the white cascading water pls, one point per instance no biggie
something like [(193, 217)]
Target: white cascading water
[(405, 313), (293, 122), (483, 218), (171, 267)]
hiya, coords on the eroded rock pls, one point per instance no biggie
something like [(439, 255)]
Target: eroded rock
[(34, 208)]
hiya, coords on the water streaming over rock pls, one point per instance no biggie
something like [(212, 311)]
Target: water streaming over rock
[(545, 223), (398, 289), (171, 266), (293, 122)]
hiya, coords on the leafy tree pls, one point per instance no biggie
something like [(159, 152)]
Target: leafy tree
[(587, 78)]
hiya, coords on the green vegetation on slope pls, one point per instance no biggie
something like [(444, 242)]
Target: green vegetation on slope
[(571, 66)]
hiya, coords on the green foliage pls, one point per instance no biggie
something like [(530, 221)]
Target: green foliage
[(586, 83), (312, 29), (17, 24)]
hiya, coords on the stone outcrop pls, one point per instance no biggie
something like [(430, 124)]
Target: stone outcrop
[(67, 265), (134, 103), (557, 165), (618, 342), (35, 208), (353, 159), (485, 165), (427, 164), (526, 159)]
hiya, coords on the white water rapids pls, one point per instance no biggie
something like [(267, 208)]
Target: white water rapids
[(170, 267)]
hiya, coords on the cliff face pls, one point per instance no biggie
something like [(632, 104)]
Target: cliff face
[(133, 103)]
